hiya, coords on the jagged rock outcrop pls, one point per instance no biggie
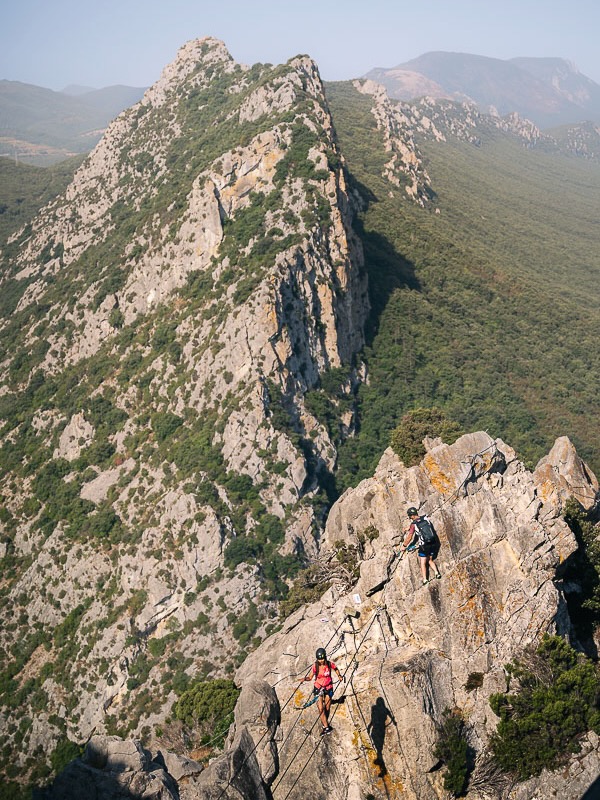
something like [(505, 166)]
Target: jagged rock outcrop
[(112, 768), (249, 763), (404, 124), (406, 162), (410, 651), (582, 140), (257, 710), (562, 474)]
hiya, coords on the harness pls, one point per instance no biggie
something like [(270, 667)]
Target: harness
[(327, 664), (320, 693)]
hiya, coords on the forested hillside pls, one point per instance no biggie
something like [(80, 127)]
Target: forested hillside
[(25, 189), (488, 308)]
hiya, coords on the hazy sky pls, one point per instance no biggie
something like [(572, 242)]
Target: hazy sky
[(54, 43)]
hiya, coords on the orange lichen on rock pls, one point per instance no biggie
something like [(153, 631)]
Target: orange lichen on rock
[(439, 480)]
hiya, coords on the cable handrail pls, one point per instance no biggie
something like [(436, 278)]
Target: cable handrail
[(352, 666), (254, 749)]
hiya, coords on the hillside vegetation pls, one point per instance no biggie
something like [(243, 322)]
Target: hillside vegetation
[(25, 189), (182, 349), (488, 309), (45, 127), (173, 306)]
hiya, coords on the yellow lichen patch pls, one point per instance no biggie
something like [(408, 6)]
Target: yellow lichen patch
[(374, 764), (392, 788), (383, 781), (270, 160), (299, 699), (439, 480), (545, 490)]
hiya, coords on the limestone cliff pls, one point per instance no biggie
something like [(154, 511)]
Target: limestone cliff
[(170, 313), (406, 651), (409, 651)]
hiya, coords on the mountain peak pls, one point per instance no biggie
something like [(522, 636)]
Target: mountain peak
[(208, 49), (195, 56), (548, 91)]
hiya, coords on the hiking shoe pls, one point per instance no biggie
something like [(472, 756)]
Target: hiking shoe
[(438, 576), (326, 730), (425, 583)]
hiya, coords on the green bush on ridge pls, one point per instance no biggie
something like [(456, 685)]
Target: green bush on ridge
[(407, 438), (556, 701), (452, 749), (206, 707)]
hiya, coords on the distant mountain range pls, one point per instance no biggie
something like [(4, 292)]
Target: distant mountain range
[(40, 126), (548, 91)]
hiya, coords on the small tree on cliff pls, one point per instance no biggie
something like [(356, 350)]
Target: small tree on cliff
[(452, 748), (407, 438), (207, 708), (556, 701)]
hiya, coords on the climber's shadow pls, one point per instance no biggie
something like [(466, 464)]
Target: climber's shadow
[(593, 793), (380, 714)]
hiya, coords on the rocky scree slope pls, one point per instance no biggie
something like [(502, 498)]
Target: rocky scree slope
[(162, 323), (407, 651)]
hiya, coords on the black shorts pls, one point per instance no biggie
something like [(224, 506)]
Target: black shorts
[(429, 550)]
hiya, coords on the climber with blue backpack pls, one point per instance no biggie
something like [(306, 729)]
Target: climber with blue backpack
[(421, 529)]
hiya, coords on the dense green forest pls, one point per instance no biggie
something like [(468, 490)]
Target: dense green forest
[(25, 189), (489, 308)]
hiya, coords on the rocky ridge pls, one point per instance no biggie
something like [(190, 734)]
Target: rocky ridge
[(581, 140), (198, 276), (408, 651), (405, 123)]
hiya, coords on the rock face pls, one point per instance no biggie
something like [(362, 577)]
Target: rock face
[(199, 275), (112, 768), (562, 474), (409, 651), (249, 763)]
